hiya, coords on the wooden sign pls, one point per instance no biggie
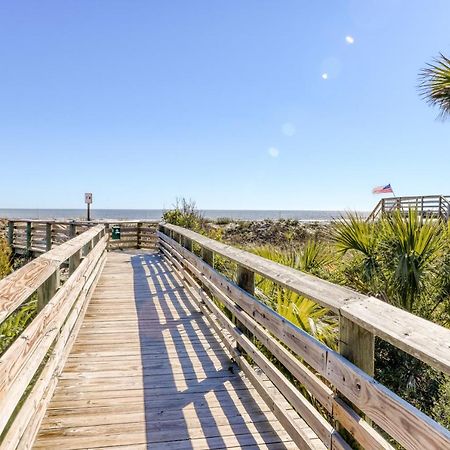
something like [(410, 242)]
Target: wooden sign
[(88, 198)]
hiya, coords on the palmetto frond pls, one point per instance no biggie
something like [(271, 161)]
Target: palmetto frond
[(304, 313), (352, 233), (413, 246), (435, 84)]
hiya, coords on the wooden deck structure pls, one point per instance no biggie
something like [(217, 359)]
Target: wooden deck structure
[(426, 206), (34, 237), (150, 349)]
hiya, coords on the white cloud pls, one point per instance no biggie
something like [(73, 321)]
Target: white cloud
[(273, 152), (349, 39), (288, 129), (325, 76)]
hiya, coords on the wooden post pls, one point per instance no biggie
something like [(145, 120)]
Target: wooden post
[(245, 279), (187, 243), (86, 249), (48, 289), (74, 262), (29, 232), (357, 345), (208, 256), (11, 233), (106, 232), (138, 234), (421, 211), (72, 230), (48, 236), (161, 229)]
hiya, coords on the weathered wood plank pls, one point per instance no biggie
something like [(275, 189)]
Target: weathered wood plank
[(167, 359)]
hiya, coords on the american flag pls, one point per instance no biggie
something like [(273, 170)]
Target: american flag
[(383, 190)]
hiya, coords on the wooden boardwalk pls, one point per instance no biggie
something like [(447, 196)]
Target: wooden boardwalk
[(146, 371), (133, 351)]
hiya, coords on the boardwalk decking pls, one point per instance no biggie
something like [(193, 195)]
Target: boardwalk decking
[(146, 371)]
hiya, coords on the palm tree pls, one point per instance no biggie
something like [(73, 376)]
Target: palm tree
[(435, 84), (411, 246), (353, 233), (397, 254)]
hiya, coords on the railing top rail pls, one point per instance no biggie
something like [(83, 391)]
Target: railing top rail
[(419, 337), (410, 197), (19, 285)]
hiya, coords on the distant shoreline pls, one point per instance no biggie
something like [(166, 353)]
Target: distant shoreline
[(156, 214)]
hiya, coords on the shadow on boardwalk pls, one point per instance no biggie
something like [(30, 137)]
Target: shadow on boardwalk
[(194, 396)]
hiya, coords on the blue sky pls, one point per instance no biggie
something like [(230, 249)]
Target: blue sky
[(223, 102)]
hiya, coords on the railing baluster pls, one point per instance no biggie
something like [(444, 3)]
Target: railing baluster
[(48, 289), (138, 234), (29, 236), (11, 234), (187, 244), (74, 262), (357, 345), (245, 279), (48, 236), (72, 230), (208, 256), (86, 249)]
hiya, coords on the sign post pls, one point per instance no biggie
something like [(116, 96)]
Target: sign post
[(88, 201)]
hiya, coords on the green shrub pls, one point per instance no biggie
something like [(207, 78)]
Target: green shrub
[(224, 220), (14, 325), (185, 214), (5, 258)]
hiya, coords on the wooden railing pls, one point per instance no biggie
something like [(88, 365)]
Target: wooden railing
[(30, 366), (333, 380), (428, 206), (37, 236)]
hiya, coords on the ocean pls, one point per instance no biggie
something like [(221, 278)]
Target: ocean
[(156, 214)]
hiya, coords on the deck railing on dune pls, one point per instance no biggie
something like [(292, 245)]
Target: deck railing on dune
[(38, 236), (426, 206), (30, 366), (333, 380)]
